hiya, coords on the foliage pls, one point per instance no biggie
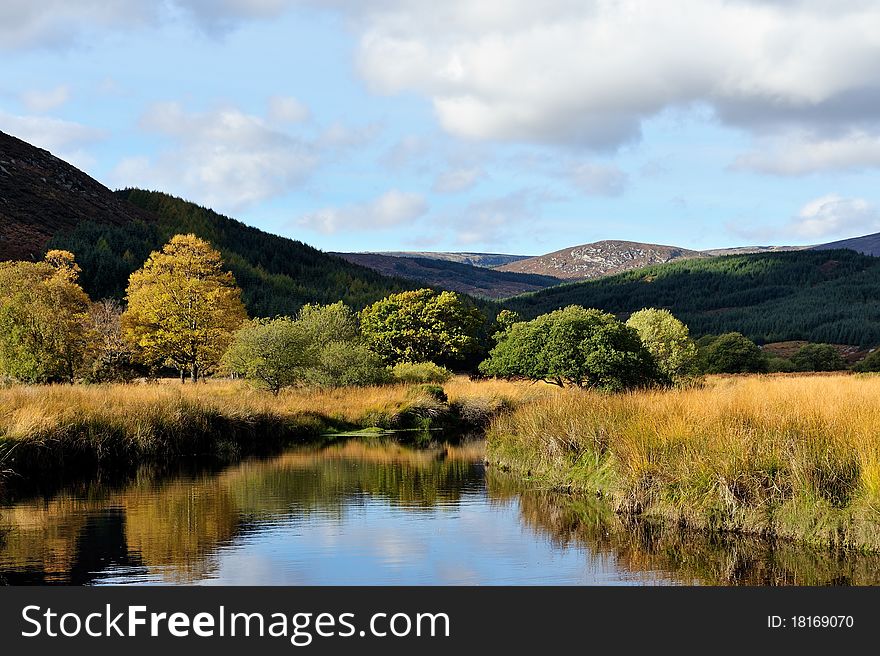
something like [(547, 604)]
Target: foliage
[(44, 335), (329, 323), (423, 326), (870, 363), (504, 321), (667, 340), (818, 357), (347, 363), (183, 307), (576, 346), (112, 356), (818, 296), (778, 364), (277, 275), (420, 372), (321, 346), (732, 353), (272, 352)]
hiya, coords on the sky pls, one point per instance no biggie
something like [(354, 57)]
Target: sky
[(507, 126)]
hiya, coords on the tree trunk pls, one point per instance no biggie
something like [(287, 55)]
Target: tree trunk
[(182, 375), (194, 373)]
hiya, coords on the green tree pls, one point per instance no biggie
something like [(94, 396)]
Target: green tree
[(575, 346), (321, 346), (272, 352), (423, 326), (732, 353), (667, 339), (818, 357), (183, 307), (346, 364), (870, 363), (44, 334)]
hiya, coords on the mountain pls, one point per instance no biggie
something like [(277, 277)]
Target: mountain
[(748, 250), (867, 245), (277, 275), (41, 195), (488, 260), (598, 259), (449, 274), (814, 295)]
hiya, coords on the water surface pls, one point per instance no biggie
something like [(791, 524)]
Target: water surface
[(370, 512)]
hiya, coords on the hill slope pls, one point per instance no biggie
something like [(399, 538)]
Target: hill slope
[(598, 259), (457, 276), (487, 260), (867, 245), (277, 275), (41, 195), (820, 296)]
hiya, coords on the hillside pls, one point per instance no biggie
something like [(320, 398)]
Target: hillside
[(867, 245), (277, 275), (41, 195), (487, 260), (820, 296), (457, 276), (748, 250), (598, 259)]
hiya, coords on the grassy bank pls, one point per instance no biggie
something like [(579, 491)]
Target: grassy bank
[(793, 457), (68, 428)]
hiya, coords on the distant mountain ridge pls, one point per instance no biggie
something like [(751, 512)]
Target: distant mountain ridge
[(486, 260), (599, 258), (866, 245), (453, 275)]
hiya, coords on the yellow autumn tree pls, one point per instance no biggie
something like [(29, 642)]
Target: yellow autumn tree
[(44, 335), (183, 307)]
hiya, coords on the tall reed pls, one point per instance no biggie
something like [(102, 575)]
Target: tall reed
[(790, 456)]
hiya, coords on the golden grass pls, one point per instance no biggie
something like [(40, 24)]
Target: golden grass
[(42, 425), (797, 456)]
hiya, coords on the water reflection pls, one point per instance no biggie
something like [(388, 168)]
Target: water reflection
[(372, 513), (693, 557)]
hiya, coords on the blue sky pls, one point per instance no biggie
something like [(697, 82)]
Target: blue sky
[(512, 126)]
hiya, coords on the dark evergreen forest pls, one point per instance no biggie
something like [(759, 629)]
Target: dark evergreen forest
[(820, 296)]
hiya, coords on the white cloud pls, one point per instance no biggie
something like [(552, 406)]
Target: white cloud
[(61, 23), (37, 100), (391, 209), (342, 136), (822, 219), (224, 158), (65, 139), (834, 216), (800, 154), (599, 179), (588, 73), (287, 110), (492, 221), (407, 149), (456, 180)]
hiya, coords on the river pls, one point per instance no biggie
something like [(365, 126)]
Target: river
[(371, 512)]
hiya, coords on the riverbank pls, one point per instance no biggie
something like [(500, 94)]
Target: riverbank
[(65, 429), (791, 457)]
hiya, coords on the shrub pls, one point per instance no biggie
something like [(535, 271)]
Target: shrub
[(870, 363), (420, 372), (732, 353), (818, 357)]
